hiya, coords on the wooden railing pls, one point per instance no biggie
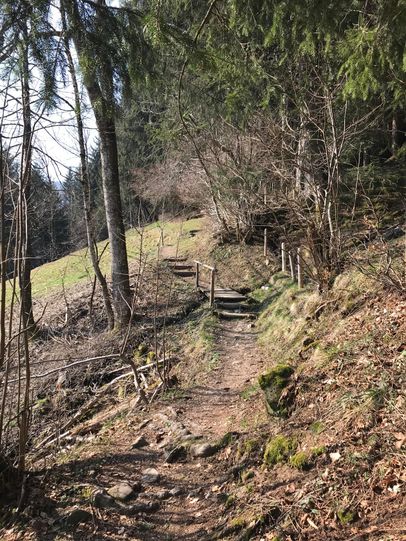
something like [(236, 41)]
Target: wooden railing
[(212, 284)]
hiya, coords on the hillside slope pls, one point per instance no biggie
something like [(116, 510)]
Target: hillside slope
[(303, 413)]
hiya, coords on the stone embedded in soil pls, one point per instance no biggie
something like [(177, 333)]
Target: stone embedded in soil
[(203, 450), (163, 495), (150, 476), (139, 443), (176, 491), (103, 500), (145, 507), (176, 454), (121, 491), (78, 516)]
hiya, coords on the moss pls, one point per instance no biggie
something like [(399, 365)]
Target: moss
[(238, 523), (247, 447), (303, 460), (249, 392), (346, 516), (226, 440), (278, 376), (317, 451), (230, 501), (317, 427), (279, 449), (272, 384), (43, 405), (300, 460)]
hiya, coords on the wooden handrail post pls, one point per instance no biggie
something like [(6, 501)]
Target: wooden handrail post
[(197, 274), (265, 242), (292, 268), (212, 285), (299, 270), (283, 254)]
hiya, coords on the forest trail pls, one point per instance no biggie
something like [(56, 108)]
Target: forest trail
[(171, 454), (208, 411), (179, 496)]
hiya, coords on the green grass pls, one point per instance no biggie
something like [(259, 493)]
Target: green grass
[(76, 268)]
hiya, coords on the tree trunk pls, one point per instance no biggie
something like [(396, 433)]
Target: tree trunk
[(98, 81), (24, 197), (85, 184), (114, 217)]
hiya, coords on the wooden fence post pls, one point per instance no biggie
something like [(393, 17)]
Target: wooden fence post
[(299, 270), (197, 274), (292, 268), (283, 254), (161, 238), (265, 242), (212, 285)]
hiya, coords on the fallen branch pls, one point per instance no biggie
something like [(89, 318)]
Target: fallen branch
[(84, 361), (52, 438)]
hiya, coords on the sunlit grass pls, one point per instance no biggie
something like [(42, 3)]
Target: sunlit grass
[(76, 268)]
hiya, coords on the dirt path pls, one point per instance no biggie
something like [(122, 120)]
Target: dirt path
[(218, 407), (184, 503), (209, 411)]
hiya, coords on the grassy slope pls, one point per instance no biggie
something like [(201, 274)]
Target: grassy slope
[(349, 400), (345, 469), (76, 267)]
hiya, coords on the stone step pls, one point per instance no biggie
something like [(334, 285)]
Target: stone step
[(235, 315), (175, 259), (237, 306), (183, 273), (229, 295), (177, 267)]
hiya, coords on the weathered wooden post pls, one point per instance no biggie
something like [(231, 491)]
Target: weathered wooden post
[(265, 195), (265, 242), (161, 239), (283, 254), (299, 270), (197, 274), (292, 267), (212, 285)]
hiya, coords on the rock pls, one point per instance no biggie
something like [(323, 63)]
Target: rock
[(203, 450), (145, 507), (121, 492), (176, 454), (176, 491), (191, 437), (277, 387), (78, 516), (102, 500), (163, 495), (139, 443), (150, 476)]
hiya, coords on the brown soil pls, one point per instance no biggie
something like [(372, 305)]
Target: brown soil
[(208, 410)]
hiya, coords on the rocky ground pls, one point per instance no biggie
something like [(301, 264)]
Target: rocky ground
[(161, 474)]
